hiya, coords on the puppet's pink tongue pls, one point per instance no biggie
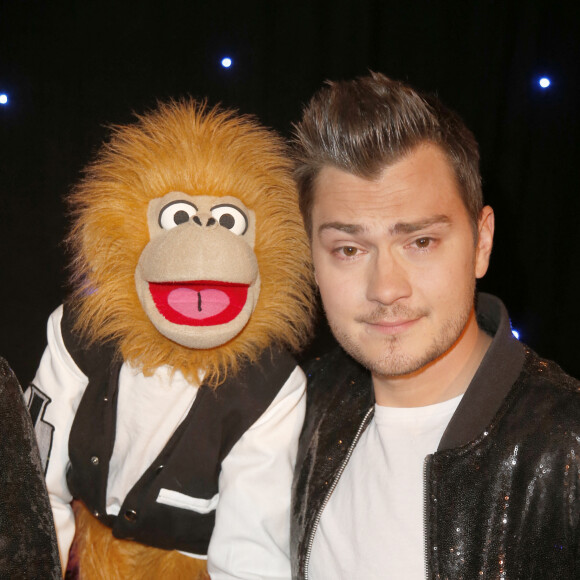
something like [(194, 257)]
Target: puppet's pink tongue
[(198, 304)]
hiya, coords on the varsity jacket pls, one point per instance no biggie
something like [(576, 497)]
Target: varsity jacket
[(189, 465), (502, 490), (220, 470)]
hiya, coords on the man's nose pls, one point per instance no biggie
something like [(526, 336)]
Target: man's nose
[(388, 280)]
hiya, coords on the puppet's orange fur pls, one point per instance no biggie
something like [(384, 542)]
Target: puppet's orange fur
[(103, 557), (183, 146)]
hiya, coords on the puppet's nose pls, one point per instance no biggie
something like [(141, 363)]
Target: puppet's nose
[(211, 221)]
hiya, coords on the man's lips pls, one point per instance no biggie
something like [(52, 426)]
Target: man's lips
[(392, 326), (200, 302)]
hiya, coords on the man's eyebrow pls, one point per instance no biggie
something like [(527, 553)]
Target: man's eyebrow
[(341, 227), (398, 228), (411, 227)]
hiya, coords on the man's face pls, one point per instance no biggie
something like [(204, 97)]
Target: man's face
[(396, 262)]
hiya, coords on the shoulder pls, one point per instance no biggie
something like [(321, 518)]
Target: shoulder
[(332, 372), (8, 383), (547, 395), (335, 383), (12, 407), (91, 357), (547, 376), (339, 392)]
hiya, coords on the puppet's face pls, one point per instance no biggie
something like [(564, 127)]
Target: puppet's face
[(172, 221), (197, 278)]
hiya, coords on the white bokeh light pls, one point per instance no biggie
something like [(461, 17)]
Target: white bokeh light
[(544, 82)]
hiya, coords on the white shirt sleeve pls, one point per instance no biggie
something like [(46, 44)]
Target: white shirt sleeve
[(251, 539), (61, 382)]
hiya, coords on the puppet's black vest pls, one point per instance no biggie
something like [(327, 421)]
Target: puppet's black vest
[(190, 463)]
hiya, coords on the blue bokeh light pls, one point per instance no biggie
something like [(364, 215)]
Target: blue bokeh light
[(3, 99), (544, 82), (227, 62), (516, 333)]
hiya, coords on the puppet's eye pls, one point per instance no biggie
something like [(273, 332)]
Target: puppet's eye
[(230, 217), (176, 213)]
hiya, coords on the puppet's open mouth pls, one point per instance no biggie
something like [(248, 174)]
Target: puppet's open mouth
[(199, 303)]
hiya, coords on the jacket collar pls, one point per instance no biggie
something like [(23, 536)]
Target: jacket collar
[(497, 372)]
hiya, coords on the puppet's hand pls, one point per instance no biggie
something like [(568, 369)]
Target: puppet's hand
[(101, 555)]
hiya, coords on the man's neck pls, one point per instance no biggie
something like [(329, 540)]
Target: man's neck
[(445, 378)]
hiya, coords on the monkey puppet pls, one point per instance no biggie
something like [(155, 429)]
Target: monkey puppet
[(168, 406)]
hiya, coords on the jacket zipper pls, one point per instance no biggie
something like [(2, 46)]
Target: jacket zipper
[(426, 464), (361, 428)]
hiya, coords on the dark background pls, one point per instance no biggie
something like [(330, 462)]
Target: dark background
[(72, 68)]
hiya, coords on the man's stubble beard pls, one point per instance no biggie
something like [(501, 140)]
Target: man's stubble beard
[(393, 361)]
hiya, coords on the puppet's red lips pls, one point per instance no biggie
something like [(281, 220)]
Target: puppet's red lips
[(199, 303)]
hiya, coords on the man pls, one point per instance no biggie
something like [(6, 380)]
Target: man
[(437, 445)]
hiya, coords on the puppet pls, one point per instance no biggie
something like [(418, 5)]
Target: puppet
[(171, 406)]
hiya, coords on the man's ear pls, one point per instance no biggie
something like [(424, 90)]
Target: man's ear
[(486, 228)]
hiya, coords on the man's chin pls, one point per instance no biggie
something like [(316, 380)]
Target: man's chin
[(390, 359)]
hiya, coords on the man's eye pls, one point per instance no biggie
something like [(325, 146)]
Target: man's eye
[(423, 243), (349, 251)]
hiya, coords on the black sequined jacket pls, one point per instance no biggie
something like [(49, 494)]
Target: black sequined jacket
[(28, 548), (502, 492)]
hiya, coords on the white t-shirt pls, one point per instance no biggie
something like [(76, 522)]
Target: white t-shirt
[(373, 524)]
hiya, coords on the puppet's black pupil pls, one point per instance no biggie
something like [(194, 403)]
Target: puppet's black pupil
[(227, 221), (180, 217)]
